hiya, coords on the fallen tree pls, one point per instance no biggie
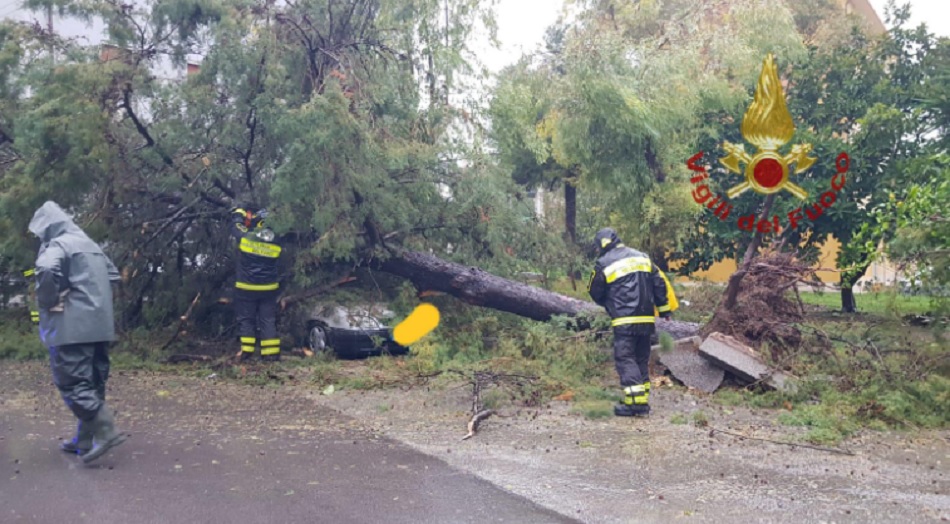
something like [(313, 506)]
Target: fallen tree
[(481, 288)]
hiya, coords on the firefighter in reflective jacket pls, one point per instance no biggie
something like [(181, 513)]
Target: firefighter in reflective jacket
[(257, 284), (632, 289)]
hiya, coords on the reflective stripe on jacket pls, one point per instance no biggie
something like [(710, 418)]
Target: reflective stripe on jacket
[(256, 259), (631, 288)]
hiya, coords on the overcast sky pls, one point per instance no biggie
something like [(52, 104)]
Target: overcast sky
[(521, 24)]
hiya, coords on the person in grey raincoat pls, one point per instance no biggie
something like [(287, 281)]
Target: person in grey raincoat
[(74, 294)]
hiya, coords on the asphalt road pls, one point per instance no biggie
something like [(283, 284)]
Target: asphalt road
[(226, 454)]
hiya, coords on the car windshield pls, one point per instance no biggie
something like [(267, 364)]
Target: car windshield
[(365, 322)]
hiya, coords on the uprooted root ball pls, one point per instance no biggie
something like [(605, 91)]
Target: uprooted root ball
[(768, 307)]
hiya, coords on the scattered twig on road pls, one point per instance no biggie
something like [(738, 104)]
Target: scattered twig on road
[(476, 419), (479, 380), (713, 431), (175, 359)]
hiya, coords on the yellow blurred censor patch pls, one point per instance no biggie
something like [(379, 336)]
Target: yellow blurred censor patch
[(420, 323)]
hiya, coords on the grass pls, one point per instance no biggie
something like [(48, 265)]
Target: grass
[(880, 303), (865, 371), (700, 420)]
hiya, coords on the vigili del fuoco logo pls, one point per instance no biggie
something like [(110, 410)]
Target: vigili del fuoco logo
[(768, 125)]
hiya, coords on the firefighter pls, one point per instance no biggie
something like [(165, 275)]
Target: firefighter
[(74, 296), (632, 290), (256, 283)]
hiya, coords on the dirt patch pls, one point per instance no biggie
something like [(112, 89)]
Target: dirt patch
[(667, 466)]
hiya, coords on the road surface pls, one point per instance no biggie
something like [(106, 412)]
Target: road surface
[(202, 451)]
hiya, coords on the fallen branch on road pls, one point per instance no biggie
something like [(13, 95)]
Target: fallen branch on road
[(479, 380), (476, 419), (713, 431)]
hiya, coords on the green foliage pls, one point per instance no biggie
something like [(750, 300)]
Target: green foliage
[(870, 371), (700, 419), (666, 342), (615, 103), (313, 109), (827, 425), (922, 239), (19, 339), (850, 93), (921, 403)]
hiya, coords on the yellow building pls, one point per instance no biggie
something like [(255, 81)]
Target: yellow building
[(721, 271)]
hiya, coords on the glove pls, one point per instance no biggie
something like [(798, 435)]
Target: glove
[(262, 214)]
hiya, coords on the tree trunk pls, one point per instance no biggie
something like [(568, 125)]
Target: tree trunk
[(848, 304), (570, 212), (848, 280), (732, 290), (480, 288)]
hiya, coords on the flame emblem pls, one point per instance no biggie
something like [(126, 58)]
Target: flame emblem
[(768, 125)]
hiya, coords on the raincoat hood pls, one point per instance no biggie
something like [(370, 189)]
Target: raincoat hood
[(50, 221), (605, 240)]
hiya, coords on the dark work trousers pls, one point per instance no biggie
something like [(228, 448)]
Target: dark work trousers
[(256, 313), (80, 372), (632, 354)]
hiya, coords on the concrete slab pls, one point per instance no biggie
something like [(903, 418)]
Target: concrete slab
[(686, 365), (743, 361)]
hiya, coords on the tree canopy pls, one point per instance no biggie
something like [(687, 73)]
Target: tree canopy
[(342, 118)]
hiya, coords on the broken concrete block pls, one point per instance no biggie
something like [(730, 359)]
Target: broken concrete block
[(743, 361), (686, 365)]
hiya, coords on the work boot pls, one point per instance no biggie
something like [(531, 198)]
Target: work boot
[(634, 402), (628, 410), (81, 443), (271, 358), (104, 437), (246, 356)]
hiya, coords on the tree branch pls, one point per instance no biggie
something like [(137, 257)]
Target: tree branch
[(713, 431), (251, 124), (143, 130)]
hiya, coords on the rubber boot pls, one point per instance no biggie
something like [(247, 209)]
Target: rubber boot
[(634, 402), (105, 437), (631, 410), (81, 443)]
